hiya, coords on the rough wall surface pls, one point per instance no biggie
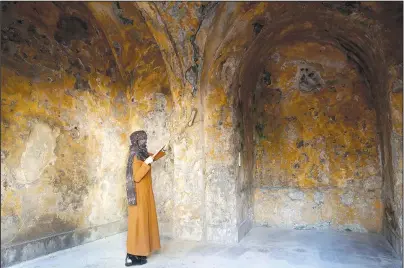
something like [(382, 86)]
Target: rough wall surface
[(369, 49), (68, 108), (394, 208), (122, 66), (173, 33), (316, 141)]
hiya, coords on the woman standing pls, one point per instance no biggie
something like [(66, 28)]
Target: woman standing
[(143, 232)]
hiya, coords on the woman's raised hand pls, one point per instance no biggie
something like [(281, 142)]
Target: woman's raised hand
[(149, 160)]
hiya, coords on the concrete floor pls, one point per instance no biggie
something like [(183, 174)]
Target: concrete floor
[(262, 247)]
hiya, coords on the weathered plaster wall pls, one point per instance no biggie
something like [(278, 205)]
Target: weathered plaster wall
[(72, 93), (228, 184), (316, 143), (146, 65), (356, 31), (175, 35), (243, 33), (393, 228), (142, 65)]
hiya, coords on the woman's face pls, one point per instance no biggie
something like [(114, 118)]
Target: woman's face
[(142, 143)]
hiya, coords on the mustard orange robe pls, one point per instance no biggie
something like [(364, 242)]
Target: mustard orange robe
[(143, 230)]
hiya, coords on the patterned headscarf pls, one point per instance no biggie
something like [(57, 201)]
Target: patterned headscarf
[(140, 151)]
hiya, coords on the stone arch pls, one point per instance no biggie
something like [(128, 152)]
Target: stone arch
[(359, 37)]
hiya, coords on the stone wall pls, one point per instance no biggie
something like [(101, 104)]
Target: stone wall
[(316, 145), (393, 191), (124, 66), (68, 108)]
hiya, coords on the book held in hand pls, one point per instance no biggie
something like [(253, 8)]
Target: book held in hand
[(158, 151)]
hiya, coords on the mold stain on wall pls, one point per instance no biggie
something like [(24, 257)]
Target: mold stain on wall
[(125, 66), (65, 123), (315, 147)]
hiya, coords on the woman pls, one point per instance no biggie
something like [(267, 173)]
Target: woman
[(143, 232)]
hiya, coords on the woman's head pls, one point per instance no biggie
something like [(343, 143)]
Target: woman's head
[(139, 144), (139, 138)]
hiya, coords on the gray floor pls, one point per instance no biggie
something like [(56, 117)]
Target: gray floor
[(262, 247)]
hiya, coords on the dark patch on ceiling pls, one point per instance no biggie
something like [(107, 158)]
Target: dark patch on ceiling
[(118, 11), (346, 8), (71, 28), (266, 78), (257, 27)]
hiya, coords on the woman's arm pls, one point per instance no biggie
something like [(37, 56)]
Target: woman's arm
[(140, 171)]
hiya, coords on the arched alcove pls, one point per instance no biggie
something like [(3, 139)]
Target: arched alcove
[(316, 143), (238, 62)]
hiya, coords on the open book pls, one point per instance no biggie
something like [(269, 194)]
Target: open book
[(162, 147)]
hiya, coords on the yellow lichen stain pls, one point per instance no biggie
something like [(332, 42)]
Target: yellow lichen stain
[(56, 102), (376, 224), (346, 215), (318, 139), (378, 205), (140, 51), (288, 29), (219, 108), (257, 10), (396, 100), (11, 204), (216, 99), (305, 182), (124, 137)]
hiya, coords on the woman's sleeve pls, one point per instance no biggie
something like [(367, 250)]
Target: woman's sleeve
[(140, 171)]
